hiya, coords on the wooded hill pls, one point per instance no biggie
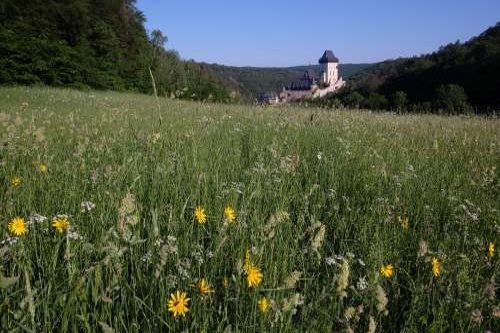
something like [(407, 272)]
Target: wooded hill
[(94, 43), (251, 81), (468, 71)]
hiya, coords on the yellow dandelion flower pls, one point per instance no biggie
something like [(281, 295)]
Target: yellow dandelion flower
[(43, 168), (203, 287), (435, 266), (199, 214), (254, 276), (178, 304), (16, 181), (387, 270), (229, 214), (60, 223), (263, 304), (491, 249), (405, 223), (17, 226)]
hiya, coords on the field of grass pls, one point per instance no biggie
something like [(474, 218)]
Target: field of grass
[(324, 202)]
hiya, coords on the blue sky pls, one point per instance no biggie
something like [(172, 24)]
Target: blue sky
[(287, 33)]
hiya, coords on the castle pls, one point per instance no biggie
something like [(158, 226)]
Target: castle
[(309, 86)]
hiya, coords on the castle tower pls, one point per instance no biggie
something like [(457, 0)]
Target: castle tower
[(329, 68)]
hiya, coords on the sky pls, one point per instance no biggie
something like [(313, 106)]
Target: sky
[(280, 33)]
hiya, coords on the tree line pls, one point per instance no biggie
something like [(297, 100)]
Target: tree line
[(448, 98), (100, 44), (458, 78)]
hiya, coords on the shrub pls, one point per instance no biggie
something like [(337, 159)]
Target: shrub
[(399, 101), (353, 100), (451, 98)]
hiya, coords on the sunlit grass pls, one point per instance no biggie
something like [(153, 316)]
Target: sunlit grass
[(320, 201)]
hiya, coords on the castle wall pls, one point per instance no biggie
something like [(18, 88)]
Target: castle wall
[(332, 87)]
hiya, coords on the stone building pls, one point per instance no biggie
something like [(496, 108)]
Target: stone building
[(310, 86)]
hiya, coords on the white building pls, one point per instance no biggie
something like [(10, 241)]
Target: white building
[(310, 87)]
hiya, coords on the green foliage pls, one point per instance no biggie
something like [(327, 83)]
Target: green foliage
[(376, 101), (353, 100), (474, 65), (317, 196), (77, 43), (451, 98), (91, 43), (399, 101)]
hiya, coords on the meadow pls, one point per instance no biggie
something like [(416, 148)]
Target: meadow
[(121, 214)]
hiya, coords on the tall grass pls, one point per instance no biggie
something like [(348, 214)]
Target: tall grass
[(320, 197)]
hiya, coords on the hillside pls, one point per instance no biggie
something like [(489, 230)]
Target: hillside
[(252, 81), (96, 44), (474, 65), (268, 220)]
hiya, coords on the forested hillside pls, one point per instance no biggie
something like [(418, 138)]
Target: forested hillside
[(252, 81), (457, 76), (94, 43)]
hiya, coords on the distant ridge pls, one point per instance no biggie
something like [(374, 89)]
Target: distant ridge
[(474, 65), (250, 81)]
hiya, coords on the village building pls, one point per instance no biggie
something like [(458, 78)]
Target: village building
[(312, 86)]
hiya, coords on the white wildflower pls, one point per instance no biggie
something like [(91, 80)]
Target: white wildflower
[(147, 257), (362, 284), (9, 241), (37, 218), (72, 234), (87, 206), (170, 246), (330, 261), (291, 303)]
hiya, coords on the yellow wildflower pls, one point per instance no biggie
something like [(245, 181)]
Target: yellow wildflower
[(405, 222), (199, 214), (225, 282), (229, 214), (17, 226), (203, 287), (254, 276), (491, 249), (263, 304), (60, 223), (387, 270), (43, 168), (16, 181), (435, 266), (178, 304)]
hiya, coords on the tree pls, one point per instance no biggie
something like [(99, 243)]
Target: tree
[(399, 101), (158, 40), (354, 99), (451, 98), (376, 101)]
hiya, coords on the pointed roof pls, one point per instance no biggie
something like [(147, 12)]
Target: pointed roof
[(327, 57)]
